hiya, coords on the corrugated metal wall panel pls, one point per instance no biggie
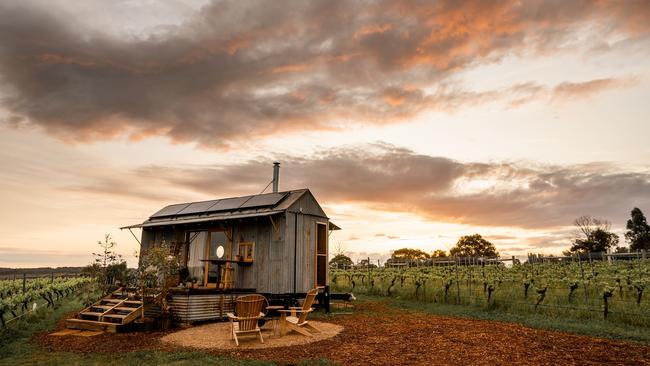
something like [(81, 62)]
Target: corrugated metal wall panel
[(309, 206), (287, 250), (300, 272), (191, 307), (258, 274), (277, 257), (308, 279), (262, 248), (247, 274)]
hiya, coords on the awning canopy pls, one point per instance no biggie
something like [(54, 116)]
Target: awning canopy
[(194, 220), (333, 226)]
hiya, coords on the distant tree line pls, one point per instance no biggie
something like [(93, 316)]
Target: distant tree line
[(594, 235), (467, 246)]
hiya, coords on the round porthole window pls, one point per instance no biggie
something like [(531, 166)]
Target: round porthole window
[(220, 251)]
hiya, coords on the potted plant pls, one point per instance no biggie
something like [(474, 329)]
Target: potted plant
[(188, 281), (183, 275)]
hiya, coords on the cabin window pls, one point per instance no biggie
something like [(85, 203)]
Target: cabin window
[(218, 242), (246, 251), (321, 254)]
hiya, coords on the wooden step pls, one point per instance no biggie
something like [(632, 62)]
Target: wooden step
[(122, 308), (90, 313), (133, 302), (105, 307), (118, 316), (113, 300), (91, 325)]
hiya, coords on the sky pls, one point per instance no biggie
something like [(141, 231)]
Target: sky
[(412, 122)]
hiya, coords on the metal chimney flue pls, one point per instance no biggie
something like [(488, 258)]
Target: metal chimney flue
[(276, 176)]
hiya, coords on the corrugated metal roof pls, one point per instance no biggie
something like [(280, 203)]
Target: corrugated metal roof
[(224, 204), (223, 209), (333, 226)]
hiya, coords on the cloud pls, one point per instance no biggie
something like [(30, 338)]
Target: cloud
[(390, 178), (238, 70), (568, 90)]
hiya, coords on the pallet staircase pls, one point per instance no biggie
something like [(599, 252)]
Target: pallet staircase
[(108, 314)]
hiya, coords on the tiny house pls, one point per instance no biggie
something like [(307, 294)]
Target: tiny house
[(273, 243)]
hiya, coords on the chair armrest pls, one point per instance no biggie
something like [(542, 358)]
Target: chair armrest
[(240, 318), (247, 318), (296, 311)]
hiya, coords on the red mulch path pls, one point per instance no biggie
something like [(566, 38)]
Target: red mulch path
[(382, 335)]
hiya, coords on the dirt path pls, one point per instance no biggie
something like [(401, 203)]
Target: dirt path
[(381, 335)]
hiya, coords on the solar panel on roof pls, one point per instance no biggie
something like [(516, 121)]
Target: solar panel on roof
[(196, 207), (263, 200), (170, 210), (229, 204)]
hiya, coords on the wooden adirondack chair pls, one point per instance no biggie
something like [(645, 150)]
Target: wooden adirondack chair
[(296, 317), (249, 312)]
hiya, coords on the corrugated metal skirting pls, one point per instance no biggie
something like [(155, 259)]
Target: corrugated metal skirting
[(188, 308)]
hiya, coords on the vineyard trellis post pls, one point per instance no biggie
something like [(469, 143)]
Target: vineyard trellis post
[(24, 281), (368, 265), (457, 282), (582, 274), (469, 283)]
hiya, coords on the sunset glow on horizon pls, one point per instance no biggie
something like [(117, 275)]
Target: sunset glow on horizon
[(412, 123)]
